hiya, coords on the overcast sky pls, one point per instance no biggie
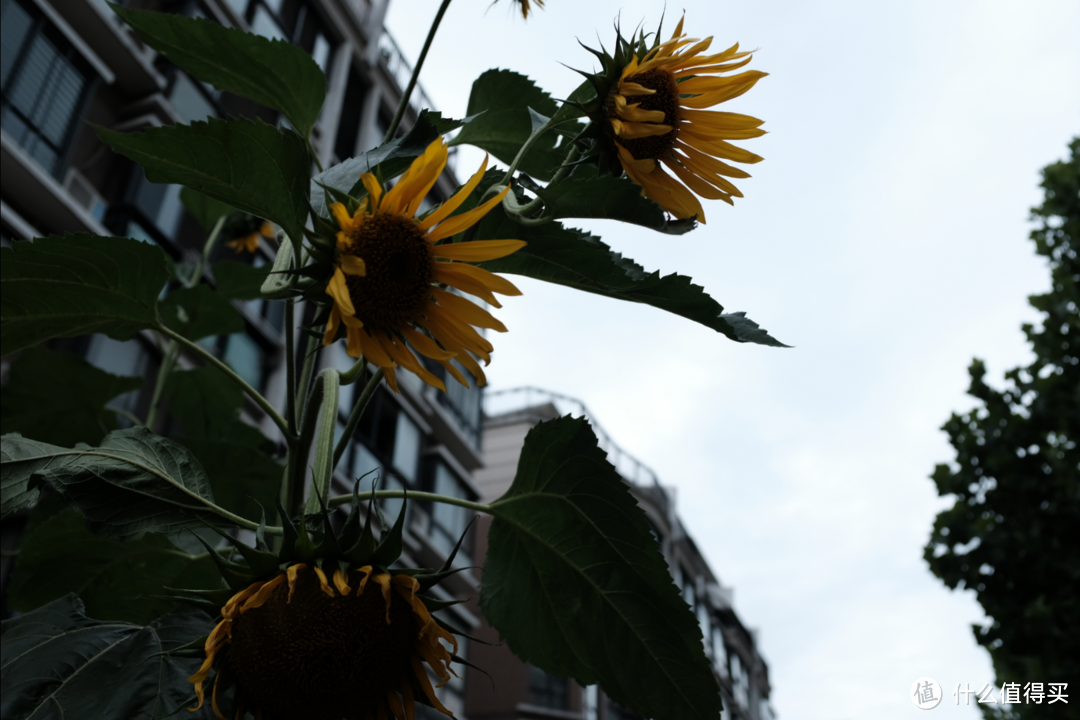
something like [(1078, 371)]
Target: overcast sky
[(884, 236)]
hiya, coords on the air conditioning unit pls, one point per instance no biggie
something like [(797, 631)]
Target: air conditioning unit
[(85, 194)]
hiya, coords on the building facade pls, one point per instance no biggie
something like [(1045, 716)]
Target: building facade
[(518, 691)]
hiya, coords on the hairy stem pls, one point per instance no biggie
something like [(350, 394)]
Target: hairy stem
[(254, 394), (416, 72), (416, 495), (355, 415)]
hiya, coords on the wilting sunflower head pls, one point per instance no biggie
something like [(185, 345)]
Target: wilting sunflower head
[(340, 636), (249, 241), (651, 113), (394, 272)]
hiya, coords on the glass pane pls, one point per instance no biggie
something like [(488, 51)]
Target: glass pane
[(451, 518), (363, 462), (263, 24), (119, 358), (190, 104), (245, 356), (407, 447), (321, 52), (14, 25)]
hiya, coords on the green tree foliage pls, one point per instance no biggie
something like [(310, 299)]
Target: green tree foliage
[(1012, 533)]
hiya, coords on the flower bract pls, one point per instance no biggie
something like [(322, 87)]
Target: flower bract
[(395, 273)]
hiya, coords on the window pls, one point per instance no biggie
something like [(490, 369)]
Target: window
[(352, 107), (44, 84), (547, 691), (448, 522), (615, 711), (720, 657), (119, 358), (464, 403)]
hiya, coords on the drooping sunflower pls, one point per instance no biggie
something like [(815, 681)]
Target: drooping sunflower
[(300, 646), (657, 111), (391, 263), (323, 629), (250, 241)]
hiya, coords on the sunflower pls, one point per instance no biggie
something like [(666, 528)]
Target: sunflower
[(302, 645), (390, 266), (250, 242), (657, 112)]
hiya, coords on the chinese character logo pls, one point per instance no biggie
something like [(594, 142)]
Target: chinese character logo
[(926, 693)]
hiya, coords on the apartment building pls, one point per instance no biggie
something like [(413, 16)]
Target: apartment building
[(518, 691)]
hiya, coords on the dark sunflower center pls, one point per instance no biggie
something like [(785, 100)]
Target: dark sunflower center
[(399, 271), (320, 657), (665, 99)]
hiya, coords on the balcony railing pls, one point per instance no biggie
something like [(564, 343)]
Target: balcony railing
[(499, 402)]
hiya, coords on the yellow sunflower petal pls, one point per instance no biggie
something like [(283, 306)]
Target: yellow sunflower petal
[(464, 221), (383, 579), (413, 186), (635, 130), (352, 265), (477, 250), (323, 585), (404, 357), (375, 191), (425, 685), (633, 89), (259, 598), (338, 290), (425, 345), (354, 341), (291, 574), (467, 310), (341, 582), (443, 211), (341, 214), (366, 569), (331, 325)]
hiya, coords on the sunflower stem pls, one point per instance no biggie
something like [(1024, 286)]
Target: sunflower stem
[(314, 155), (322, 474), (294, 490), (525, 148), (355, 415), (354, 373), (416, 495), (290, 364), (416, 72), (172, 352), (254, 394)]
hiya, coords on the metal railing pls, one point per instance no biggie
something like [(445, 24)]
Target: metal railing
[(500, 402)]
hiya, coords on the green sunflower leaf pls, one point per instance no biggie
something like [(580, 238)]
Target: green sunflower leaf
[(252, 166), (388, 160), (60, 399), (576, 584), (205, 209), (240, 281), (578, 260), (200, 312), (115, 579), (585, 195), (133, 483), (62, 286), (274, 73), (58, 663), (505, 104)]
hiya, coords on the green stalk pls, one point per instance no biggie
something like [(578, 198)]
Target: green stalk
[(172, 352), (416, 495), (416, 72), (355, 415), (322, 474), (294, 491), (254, 394), (290, 363), (525, 148)]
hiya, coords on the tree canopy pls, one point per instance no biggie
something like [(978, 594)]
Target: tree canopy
[(1011, 534)]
